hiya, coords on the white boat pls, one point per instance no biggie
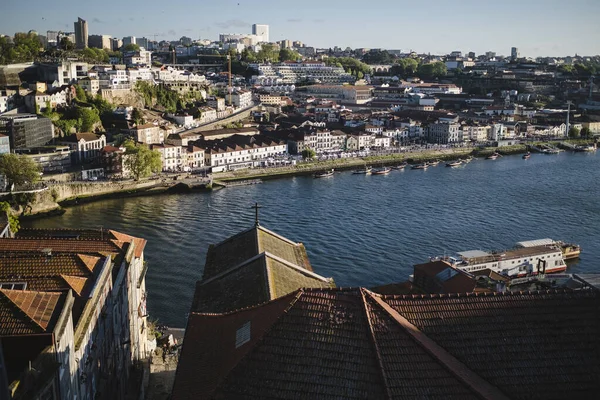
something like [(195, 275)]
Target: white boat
[(381, 171), (492, 156), (420, 166), (324, 174), (520, 261), (454, 163)]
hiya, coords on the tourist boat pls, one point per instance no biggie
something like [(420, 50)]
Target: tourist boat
[(527, 156), (420, 166), (517, 262), (362, 171), (324, 174), (400, 166), (382, 171), (570, 250), (492, 156), (454, 163)]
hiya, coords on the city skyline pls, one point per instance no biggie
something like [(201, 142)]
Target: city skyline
[(536, 27)]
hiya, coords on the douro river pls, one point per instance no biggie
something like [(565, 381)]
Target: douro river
[(362, 230)]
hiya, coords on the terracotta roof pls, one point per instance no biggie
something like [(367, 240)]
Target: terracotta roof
[(36, 264), (26, 312), (61, 245), (352, 343), (76, 137), (318, 344)]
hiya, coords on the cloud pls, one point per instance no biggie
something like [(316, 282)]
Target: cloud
[(294, 20), (171, 32), (231, 23), (319, 20), (131, 19), (97, 21), (187, 30)]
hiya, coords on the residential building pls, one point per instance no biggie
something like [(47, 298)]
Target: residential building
[(344, 93), (63, 73), (184, 120), (241, 98), (51, 159), (443, 133), (142, 42), (262, 31), (85, 147), (111, 159), (173, 158), (206, 115), (141, 57), (475, 132), (100, 41), (218, 103), (354, 337), (52, 38), (53, 96), (514, 54), (195, 157), (4, 144), (240, 151), (26, 130), (90, 85), (297, 71), (148, 134), (183, 139), (7, 100), (56, 338), (360, 141), (81, 34)]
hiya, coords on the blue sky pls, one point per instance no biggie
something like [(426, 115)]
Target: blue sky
[(536, 27)]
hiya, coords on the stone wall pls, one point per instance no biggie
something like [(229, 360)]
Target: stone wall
[(233, 118)]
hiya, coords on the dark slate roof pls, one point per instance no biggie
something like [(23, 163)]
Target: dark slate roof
[(259, 280), (352, 343), (249, 243)]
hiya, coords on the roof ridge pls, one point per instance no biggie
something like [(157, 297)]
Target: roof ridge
[(296, 267), (374, 343), (475, 294), (6, 293), (217, 314), (457, 368), (278, 236)]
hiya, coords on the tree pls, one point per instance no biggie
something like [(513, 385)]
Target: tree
[(432, 70), (80, 93), (140, 160), (288, 55), (268, 53), (66, 44), (585, 132), (137, 116), (87, 117), (131, 47), (573, 132), (308, 153), (13, 221), (18, 169), (24, 47)]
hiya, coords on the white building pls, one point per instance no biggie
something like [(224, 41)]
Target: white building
[(7, 100), (261, 31), (85, 146), (173, 157), (148, 133), (443, 133), (239, 151), (241, 98), (293, 72)]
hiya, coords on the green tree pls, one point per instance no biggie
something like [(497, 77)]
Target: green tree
[(23, 48), (585, 132), (573, 132), (18, 169), (87, 118), (131, 47), (13, 221), (308, 153), (66, 125), (248, 55), (66, 44), (432, 70), (288, 55), (137, 116), (80, 93), (268, 53), (140, 160)]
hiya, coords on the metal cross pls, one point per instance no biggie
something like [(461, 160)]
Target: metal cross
[(256, 207)]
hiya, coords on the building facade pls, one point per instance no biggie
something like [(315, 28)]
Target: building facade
[(26, 130), (81, 34)]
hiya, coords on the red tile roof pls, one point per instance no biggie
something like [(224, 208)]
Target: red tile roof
[(352, 343), (25, 312)]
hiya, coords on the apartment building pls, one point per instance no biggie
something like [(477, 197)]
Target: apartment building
[(240, 151), (443, 133)]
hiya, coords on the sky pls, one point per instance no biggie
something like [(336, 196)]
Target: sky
[(536, 27)]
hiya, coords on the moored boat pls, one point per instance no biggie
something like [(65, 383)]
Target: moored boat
[(362, 171), (517, 262), (420, 166), (492, 156), (324, 174), (381, 171), (570, 250), (527, 156), (400, 166), (433, 163), (454, 163)]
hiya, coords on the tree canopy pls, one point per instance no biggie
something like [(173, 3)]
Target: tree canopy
[(131, 47), (157, 94), (268, 53), (13, 221), (140, 160), (288, 55), (18, 169), (24, 47), (573, 132), (308, 153), (405, 67), (378, 57), (432, 70), (66, 44), (349, 64)]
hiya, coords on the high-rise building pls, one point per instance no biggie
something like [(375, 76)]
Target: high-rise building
[(514, 53), (115, 44), (52, 38), (26, 131), (100, 41), (261, 30), (142, 42), (81, 34), (129, 40)]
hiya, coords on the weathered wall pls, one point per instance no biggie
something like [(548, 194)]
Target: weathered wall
[(233, 118)]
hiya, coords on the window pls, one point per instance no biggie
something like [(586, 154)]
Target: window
[(13, 285), (242, 335)]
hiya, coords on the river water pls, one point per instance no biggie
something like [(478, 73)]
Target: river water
[(361, 230)]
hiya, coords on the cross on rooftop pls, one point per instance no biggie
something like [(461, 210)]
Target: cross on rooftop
[(256, 207)]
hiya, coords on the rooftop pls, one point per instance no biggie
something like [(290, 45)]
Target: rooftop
[(352, 343)]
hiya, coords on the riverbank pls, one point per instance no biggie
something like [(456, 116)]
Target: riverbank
[(52, 201)]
